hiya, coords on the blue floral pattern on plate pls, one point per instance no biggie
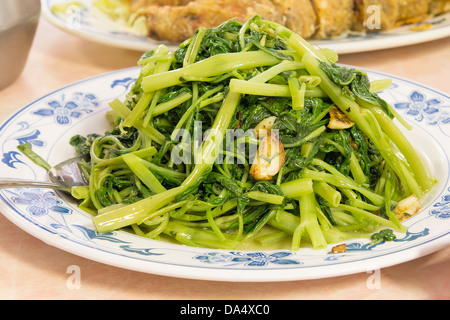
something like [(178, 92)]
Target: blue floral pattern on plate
[(50, 122), (431, 111), (11, 159), (40, 203), (64, 110), (250, 259), (442, 207)]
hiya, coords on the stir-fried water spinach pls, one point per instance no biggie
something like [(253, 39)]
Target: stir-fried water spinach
[(248, 132)]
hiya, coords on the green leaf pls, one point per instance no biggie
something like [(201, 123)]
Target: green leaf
[(342, 76), (360, 87), (383, 235)]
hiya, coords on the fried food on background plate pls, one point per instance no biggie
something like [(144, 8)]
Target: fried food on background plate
[(176, 23), (439, 6), (176, 20), (334, 17), (298, 15), (136, 4)]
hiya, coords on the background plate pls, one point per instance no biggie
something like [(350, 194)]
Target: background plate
[(92, 25), (48, 124)]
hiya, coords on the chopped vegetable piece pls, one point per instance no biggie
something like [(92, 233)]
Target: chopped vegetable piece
[(341, 248), (383, 235)]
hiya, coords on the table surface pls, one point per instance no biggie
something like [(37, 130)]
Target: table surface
[(31, 269)]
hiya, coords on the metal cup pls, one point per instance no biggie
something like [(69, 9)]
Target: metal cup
[(18, 23)]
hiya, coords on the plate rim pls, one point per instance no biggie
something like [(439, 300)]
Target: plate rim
[(240, 275)]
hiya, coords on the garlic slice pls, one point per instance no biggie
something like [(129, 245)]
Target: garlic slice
[(338, 120), (265, 126), (269, 159), (407, 207)]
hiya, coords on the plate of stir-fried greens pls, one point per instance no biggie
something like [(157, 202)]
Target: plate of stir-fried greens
[(245, 154)]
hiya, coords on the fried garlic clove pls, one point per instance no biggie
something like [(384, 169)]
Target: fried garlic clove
[(269, 159)]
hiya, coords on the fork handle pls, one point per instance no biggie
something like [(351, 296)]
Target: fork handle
[(17, 183)]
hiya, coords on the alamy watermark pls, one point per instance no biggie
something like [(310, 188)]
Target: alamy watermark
[(374, 280), (73, 282), (373, 21), (74, 17)]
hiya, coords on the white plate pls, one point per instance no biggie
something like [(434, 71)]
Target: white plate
[(90, 24), (48, 124)]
